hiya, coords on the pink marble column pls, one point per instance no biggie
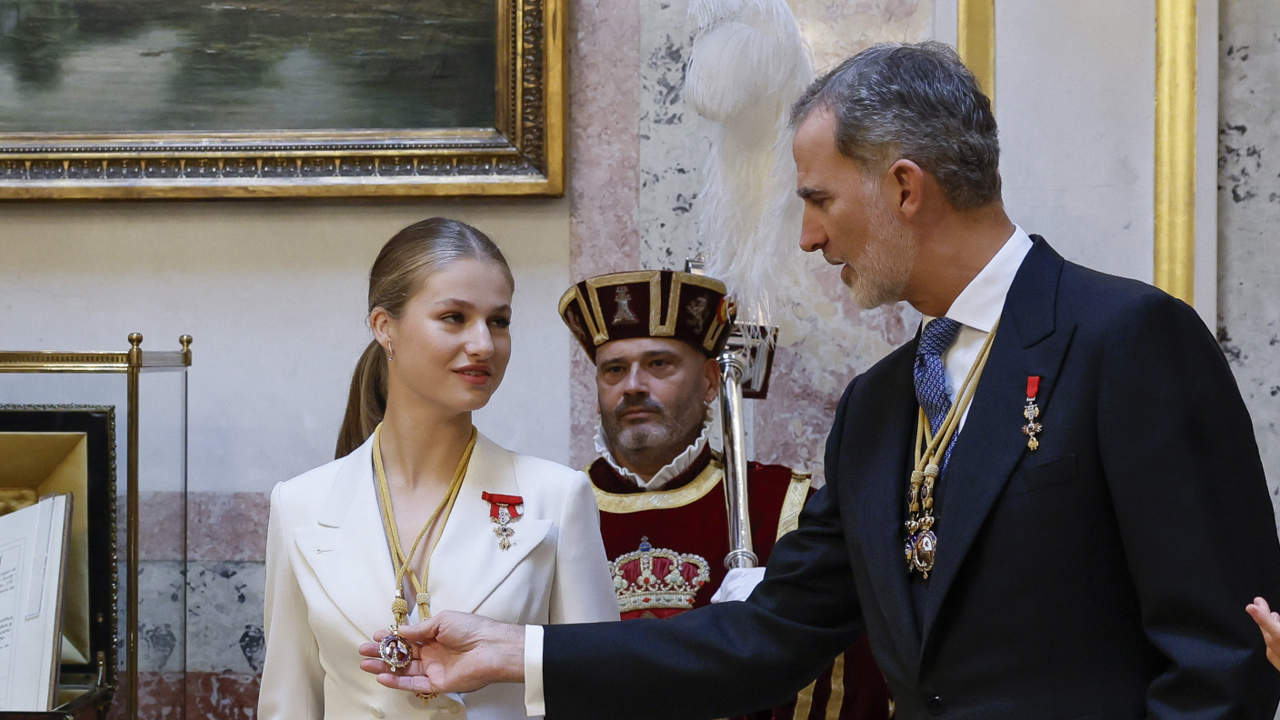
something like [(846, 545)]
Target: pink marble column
[(604, 57)]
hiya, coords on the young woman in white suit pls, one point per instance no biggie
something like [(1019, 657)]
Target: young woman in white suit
[(483, 529)]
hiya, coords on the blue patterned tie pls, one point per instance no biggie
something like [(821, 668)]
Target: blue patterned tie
[(931, 376)]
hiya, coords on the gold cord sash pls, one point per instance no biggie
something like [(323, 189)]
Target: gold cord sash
[(930, 449), (403, 561)]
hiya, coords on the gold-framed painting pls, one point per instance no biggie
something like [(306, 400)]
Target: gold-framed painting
[(145, 99)]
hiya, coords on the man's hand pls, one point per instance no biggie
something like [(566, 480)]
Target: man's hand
[(738, 584), (1269, 623), (452, 652)]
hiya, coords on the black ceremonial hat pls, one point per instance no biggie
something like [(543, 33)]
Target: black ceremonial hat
[(649, 303)]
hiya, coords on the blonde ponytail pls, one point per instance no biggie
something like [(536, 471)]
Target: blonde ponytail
[(366, 401)]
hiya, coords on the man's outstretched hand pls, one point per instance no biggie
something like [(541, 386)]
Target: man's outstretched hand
[(1269, 623), (452, 652)]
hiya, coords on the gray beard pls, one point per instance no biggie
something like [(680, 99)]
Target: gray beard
[(644, 437)]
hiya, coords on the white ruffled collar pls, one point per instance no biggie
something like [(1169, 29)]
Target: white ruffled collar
[(671, 470)]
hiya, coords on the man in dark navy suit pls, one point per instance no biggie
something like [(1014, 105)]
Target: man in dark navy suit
[(1049, 504)]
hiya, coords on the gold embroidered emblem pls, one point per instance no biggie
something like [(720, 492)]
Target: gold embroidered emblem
[(623, 315), (697, 309), (650, 578)]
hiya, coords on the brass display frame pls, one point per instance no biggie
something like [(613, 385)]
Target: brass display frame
[(521, 154), (131, 363)]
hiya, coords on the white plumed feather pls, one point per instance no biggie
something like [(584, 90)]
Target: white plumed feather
[(748, 64)]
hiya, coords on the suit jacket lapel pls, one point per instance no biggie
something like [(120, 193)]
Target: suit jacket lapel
[(991, 442), (347, 549), (876, 487), (467, 564)]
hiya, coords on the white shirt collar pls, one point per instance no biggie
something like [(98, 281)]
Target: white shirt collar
[(980, 303), (678, 464)]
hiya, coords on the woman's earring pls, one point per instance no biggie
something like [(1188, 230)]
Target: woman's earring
[(391, 354)]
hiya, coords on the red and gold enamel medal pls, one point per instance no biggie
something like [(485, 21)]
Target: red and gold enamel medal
[(503, 510), (1031, 411)]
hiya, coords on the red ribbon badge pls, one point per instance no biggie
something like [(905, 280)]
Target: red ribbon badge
[(503, 512), (1030, 412), (497, 502)]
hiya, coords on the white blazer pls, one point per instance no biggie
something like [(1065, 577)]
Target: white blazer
[(330, 582)]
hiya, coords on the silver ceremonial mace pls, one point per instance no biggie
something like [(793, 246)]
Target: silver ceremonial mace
[(745, 366), (733, 365)]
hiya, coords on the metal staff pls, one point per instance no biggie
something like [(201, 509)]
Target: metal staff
[(745, 366), (733, 366)]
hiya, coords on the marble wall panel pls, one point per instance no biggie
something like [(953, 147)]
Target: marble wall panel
[(225, 527), (193, 696), (672, 140), (1249, 213), (218, 526), (161, 616), (836, 29), (214, 673), (224, 617), (200, 638), (604, 51)]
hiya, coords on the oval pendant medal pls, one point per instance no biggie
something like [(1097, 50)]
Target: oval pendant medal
[(394, 651), (926, 545)]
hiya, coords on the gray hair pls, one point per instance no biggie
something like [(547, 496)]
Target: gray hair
[(918, 102)]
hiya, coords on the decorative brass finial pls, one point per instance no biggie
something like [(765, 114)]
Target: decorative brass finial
[(186, 343), (135, 339)]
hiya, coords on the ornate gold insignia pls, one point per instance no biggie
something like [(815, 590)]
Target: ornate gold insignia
[(650, 578)]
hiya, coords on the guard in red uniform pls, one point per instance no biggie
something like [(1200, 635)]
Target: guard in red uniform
[(654, 336)]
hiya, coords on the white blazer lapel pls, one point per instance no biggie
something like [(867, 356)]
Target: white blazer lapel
[(346, 548), (467, 565)]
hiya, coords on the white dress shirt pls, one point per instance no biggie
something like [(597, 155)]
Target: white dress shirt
[(976, 308)]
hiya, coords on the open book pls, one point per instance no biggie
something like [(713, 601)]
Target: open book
[(33, 543)]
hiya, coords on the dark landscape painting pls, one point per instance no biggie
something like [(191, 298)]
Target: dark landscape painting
[(120, 66)]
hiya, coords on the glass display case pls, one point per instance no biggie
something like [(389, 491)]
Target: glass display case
[(67, 422)]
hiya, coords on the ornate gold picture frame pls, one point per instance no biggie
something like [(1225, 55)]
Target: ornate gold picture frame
[(521, 152)]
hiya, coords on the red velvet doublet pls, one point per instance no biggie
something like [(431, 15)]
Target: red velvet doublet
[(685, 527)]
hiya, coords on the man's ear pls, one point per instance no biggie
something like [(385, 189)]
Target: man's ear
[(904, 185), (711, 373)]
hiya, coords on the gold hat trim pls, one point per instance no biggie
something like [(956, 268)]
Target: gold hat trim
[(568, 298), (652, 277), (592, 312)]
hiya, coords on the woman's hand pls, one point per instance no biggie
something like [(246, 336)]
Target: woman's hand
[(1269, 623)]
